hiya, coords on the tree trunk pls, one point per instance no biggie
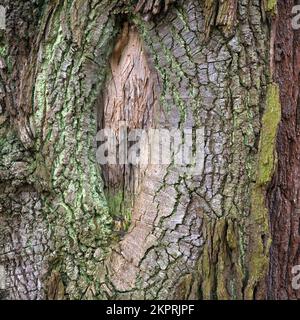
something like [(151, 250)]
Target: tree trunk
[(71, 228)]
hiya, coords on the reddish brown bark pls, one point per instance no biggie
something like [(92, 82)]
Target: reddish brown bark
[(284, 196)]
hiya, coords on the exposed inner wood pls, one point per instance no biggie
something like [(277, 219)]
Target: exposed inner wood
[(130, 100)]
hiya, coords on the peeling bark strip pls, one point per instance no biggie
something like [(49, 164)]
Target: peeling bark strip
[(199, 64)]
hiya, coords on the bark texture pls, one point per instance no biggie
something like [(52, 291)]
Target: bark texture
[(24, 237), (196, 236), (77, 66), (283, 193)]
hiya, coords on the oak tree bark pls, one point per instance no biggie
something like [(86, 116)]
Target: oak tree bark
[(72, 229)]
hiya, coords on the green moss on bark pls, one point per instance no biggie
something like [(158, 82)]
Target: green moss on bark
[(120, 210), (270, 121), (259, 254), (271, 6)]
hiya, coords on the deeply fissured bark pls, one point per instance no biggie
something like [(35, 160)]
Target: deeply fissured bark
[(201, 235)]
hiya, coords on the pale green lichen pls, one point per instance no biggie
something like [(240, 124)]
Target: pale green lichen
[(75, 206)]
